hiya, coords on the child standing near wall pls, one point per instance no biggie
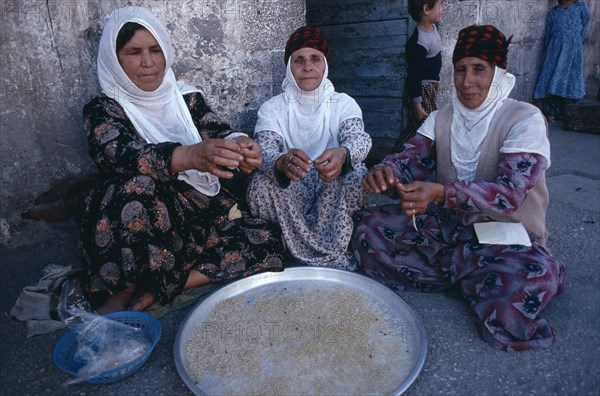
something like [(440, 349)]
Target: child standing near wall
[(424, 63), (561, 78)]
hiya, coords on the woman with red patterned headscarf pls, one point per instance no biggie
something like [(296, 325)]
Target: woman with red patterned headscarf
[(474, 170), (314, 145)]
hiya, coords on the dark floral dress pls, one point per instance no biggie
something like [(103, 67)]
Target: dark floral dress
[(142, 225)]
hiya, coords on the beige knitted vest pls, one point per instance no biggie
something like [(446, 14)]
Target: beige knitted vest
[(532, 212)]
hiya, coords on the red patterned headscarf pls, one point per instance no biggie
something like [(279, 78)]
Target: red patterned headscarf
[(484, 42), (306, 36)]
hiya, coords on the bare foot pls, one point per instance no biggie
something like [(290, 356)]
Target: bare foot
[(195, 279), (133, 300), (118, 302), (142, 301)]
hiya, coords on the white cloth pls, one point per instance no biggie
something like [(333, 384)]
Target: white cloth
[(158, 116), (471, 126), (305, 120)]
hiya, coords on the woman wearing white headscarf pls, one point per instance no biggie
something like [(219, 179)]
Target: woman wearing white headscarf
[(475, 166), (314, 143), (163, 218)]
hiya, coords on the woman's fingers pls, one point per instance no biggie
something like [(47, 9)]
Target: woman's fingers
[(298, 158), (380, 179), (411, 196), (295, 164), (295, 169), (331, 174), (330, 163), (252, 157), (244, 142), (223, 153), (418, 195), (329, 169), (302, 156), (217, 156), (411, 208)]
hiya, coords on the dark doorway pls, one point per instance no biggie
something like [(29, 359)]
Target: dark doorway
[(367, 40)]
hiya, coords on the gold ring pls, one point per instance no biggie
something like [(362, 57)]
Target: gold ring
[(289, 164)]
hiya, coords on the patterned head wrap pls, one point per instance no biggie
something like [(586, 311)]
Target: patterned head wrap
[(484, 42), (306, 36)]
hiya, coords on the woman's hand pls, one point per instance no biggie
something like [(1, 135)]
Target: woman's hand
[(251, 152), (419, 112), (210, 155), (418, 195), (294, 165), (330, 163), (380, 179)]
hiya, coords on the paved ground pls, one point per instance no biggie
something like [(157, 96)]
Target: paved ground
[(458, 362)]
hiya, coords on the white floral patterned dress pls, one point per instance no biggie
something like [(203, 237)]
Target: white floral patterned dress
[(315, 217)]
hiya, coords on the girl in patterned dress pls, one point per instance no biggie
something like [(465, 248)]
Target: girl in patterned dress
[(561, 78)]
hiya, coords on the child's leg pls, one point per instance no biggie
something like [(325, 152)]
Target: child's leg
[(429, 103)]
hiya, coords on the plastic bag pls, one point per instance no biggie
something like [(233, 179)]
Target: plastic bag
[(103, 344)]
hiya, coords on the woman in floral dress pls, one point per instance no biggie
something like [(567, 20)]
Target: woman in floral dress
[(314, 143), (165, 216), (480, 159)]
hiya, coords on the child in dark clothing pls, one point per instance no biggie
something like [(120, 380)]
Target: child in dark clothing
[(424, 62)]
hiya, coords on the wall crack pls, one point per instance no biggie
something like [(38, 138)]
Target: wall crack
[(54, 45)]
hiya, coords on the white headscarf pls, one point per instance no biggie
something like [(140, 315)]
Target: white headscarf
[(306, 119), (158, 116), (470, 127)]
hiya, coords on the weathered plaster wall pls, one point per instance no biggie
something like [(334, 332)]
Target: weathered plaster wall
[(525, 20), (592, 43), (232, 49)]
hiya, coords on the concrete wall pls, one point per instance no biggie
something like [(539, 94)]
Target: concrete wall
[(525, 20), (232, 49), (592, 43)]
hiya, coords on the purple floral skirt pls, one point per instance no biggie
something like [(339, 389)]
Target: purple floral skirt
[(506, 287)]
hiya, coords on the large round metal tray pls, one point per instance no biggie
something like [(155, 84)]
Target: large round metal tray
[(296, 278)]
